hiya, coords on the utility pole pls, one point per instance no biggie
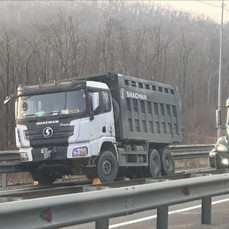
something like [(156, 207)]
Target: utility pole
[(218, 112)]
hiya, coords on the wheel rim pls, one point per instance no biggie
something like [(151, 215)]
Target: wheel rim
[(155, 166), (167, 162), (168, 165), (107, 168)]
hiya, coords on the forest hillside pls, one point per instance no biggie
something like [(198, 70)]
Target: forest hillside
[(41, 41)]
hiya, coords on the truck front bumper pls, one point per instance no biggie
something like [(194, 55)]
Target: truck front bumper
[(55, 152)]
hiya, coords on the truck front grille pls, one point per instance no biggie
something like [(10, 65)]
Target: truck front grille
[(58, 133)]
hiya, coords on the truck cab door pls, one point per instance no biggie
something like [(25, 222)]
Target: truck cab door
[(97, 121), (102, 119)]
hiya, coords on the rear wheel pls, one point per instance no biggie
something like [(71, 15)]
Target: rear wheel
[(154, 167), (107, 167), (43, 177), (167, 162)]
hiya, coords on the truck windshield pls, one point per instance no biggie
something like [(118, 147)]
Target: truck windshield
[(52, 104)]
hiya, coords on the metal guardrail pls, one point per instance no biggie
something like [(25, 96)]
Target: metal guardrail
[(10, 155), (179, 151), (99, 206), (191, 151), (195, 147), (9, 160), (5, 158)]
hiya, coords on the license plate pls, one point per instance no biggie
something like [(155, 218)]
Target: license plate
[(46, 152)]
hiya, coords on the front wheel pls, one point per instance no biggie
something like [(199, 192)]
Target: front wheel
[(107, 167), (43, 177), (167, 162)]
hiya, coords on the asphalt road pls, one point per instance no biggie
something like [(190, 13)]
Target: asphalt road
[(182, 216)]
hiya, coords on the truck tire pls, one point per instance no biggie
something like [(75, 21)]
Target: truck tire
[(107, 167), (167, 163), (154, 166), (116, 109), (42, 177)]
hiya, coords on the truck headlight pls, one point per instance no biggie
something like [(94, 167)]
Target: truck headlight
[(220, 148), (80, 152), (225, 161), (24, 156)]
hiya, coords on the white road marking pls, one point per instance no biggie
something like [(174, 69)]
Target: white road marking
[(170, 213)]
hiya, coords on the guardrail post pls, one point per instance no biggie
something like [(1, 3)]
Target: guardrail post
[(4, 180), (206, 210), (102, 223), (162, 217), (4, 177)]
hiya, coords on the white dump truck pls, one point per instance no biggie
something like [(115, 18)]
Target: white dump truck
[(104, 126)]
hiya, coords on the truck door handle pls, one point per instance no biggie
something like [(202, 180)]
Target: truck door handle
[(104, 129)]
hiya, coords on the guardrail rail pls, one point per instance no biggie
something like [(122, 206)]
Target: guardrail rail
[(100, 206), (9, 160)]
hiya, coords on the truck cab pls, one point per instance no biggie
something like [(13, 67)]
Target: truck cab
[(61, 127), (104, 126)]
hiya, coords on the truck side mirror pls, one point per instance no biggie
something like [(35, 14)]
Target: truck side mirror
[(91, 116), (218, 118), (7, 99), (227, 103)]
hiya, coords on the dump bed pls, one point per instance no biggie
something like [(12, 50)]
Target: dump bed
[(148, 110)]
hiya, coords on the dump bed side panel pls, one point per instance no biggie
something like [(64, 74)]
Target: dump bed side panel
[(149, 111)]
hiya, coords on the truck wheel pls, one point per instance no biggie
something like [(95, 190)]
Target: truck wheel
[(107, 167), (42, 177), (167, 163), (154, 167)]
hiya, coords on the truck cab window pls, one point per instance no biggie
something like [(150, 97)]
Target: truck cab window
[(52, 104), (75, 101), (95, 102)]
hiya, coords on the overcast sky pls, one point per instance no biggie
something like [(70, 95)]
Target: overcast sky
[(211, 9)]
